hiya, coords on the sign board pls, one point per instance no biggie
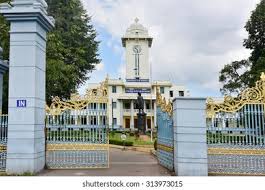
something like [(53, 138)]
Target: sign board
[(21, 103), (136, 90), (123, 137), (137, 80)]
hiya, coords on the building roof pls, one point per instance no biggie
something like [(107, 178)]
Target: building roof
[(137, 31)]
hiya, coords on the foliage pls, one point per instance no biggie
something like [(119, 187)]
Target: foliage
[(112, 134), (244, 73), (24, 174), (72, 49), (120, 142), (136, 141), (4, 43)]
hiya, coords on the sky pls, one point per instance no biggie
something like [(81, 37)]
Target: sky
[(193, 39)]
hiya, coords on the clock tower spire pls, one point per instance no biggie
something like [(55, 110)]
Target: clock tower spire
[(137, 43)]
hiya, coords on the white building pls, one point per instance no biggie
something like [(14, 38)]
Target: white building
[(123, 93)]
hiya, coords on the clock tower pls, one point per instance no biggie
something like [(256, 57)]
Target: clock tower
[(137, 43)]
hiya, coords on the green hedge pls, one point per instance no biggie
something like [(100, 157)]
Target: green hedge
[(119, 142)]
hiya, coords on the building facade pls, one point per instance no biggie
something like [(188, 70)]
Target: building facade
[(123, 92)]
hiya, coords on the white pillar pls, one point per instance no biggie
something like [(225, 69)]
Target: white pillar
[(98, 114), (121, 113), (190, 146), (132, 116), (29, 24), (155, 114)]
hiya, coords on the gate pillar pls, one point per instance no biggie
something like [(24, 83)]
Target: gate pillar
[(190, 147), (29, 24)]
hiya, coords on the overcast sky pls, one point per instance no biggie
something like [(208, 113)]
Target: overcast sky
[(193, 39)]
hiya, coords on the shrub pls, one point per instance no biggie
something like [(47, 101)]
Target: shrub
[(137, 135), (119, 142), (112, 133)]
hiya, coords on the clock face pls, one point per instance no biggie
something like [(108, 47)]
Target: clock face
[(137, 49)]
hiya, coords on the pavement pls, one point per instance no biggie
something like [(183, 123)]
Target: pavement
[(122, 163)]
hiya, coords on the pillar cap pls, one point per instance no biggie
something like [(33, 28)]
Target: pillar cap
[(28, 10)]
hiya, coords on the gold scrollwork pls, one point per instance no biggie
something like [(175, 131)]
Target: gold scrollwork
[(77, 102), (165, 148), (231, 151), (2, 148), (163, 104), (254, 95), (61, 147)]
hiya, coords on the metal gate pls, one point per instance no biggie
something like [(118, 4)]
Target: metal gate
[(165, 141), (77, 131), (3, 141), (236, 133)]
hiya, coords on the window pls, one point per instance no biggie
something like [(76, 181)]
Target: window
[(114, 121), (171, 93), (93, 106), (114, 89), (148, 106), (162, 90), (114, 105), (181, 93), (93, 120), (127, 106)]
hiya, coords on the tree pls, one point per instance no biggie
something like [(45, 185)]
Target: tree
[(244, 73), (233, 76), (72, 49), (4, 43)]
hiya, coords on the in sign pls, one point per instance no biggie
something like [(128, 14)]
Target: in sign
[(21, 103)]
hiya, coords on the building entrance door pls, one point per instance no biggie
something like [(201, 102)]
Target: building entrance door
[(127, 123)]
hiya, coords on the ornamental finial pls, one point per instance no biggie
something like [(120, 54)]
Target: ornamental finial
[(136, 20)]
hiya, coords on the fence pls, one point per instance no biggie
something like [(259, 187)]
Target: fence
[(165, 141), (235, 133), (77, 131), (3, 141)]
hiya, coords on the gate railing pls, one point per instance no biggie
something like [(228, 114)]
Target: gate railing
[(83, 127), (77, 131), (236, 133), (165, 135), (3, 141)]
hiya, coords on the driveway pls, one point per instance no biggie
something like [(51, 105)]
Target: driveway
[(122, 163)]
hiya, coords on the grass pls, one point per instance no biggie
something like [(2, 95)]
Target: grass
[(136, 141), (24, 174)]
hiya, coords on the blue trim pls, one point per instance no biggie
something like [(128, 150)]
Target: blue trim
[(137, 80), (136, 90)]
